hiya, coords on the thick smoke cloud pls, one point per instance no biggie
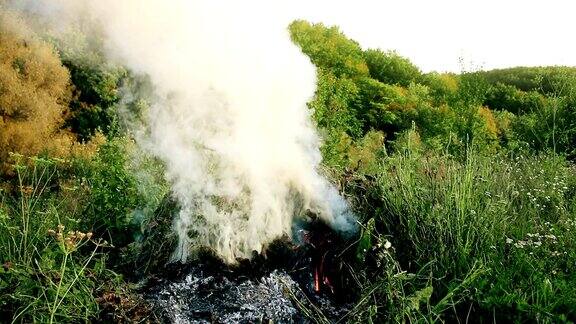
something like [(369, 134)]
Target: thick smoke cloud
[(229, 120)]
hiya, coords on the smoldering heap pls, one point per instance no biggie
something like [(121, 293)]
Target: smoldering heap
[(228, 119)]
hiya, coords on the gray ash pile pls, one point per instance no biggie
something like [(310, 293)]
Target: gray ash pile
[(287, 285), (208, 298)]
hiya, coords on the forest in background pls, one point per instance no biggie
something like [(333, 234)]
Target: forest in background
[(464, 184)]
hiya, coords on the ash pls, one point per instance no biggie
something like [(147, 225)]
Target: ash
[(202, 297)]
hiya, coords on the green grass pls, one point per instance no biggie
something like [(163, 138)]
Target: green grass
[(51, 270), (486, 236)]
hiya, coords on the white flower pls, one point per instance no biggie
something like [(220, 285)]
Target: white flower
[(387, 245), (509, 240)]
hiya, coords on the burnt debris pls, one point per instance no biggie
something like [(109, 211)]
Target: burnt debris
[(278, 285)]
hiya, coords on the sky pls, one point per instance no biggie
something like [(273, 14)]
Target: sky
[(440, 35)]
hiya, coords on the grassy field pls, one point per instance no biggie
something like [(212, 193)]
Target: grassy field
[(487, 238)]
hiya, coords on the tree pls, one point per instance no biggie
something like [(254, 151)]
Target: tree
[(391, 68), (328, 48)]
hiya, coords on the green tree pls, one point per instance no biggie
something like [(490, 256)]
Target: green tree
[(95, 96), (328, 48), (391, 68)]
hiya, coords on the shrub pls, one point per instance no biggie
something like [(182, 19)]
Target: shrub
[(34, 92), (112, 192), (95, 96)]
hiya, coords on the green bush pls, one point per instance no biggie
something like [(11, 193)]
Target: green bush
[(112, 192), (551, 127), (94, 100)]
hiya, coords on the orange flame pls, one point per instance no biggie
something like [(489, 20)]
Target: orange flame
[(316, 280)]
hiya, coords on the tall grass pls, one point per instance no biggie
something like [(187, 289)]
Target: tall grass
[(49, 267), (491, 236)]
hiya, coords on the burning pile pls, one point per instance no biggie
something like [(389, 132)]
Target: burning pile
[(280, 285)]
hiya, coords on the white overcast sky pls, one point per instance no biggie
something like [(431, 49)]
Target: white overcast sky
[(435, 34)]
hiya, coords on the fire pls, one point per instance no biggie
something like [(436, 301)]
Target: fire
[(321, 278), (320, 241), (316, 280)]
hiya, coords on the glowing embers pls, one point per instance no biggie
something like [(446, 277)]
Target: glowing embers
[(323, 247)]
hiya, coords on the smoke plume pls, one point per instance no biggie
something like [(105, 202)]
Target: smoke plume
[(229, 119)]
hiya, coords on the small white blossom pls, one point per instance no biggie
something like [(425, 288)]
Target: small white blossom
[(387, 245)]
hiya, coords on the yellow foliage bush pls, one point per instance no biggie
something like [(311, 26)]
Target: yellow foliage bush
[(365, 156), (35, 90), (486, 136), (490, 123), (449, 82)]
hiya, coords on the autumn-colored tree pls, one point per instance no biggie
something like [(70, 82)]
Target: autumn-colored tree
[(34, 93)]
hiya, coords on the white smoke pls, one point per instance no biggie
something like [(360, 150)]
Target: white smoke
[(230, 121)]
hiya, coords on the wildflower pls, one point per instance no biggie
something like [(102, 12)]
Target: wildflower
[(69, 243), (27, 190), (387, 245), (509, 240)]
